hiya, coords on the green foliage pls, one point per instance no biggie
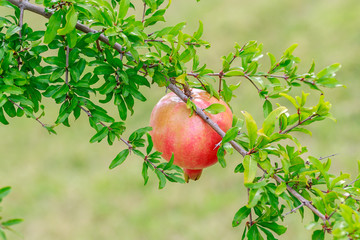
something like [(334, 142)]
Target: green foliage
[(5, 225), (84, 71)]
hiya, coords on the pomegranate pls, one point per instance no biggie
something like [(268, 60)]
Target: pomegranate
[(192, 141)]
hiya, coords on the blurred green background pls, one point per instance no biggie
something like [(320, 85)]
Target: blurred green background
[(61, 183)]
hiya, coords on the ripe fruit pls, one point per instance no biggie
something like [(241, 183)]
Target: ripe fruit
[(192, 140)]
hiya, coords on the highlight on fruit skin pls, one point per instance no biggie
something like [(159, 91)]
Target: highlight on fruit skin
[(192, 141)]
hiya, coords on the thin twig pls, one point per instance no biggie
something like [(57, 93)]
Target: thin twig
[(143, 16), (162, 41), (351, 183), (299, 123), (90, 115), (293, 210), (250, 215), (322, 158), (285, 77), (155, 167), (252, 82), (67, 65), (37, 119)]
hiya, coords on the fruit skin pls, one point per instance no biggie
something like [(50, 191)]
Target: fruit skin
[(192, 140)]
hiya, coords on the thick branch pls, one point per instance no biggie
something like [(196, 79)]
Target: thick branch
[(81, 27)]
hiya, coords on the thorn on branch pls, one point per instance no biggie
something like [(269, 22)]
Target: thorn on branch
[(332, 155), (293, 210)]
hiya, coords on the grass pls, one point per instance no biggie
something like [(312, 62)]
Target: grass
[(62, 186)]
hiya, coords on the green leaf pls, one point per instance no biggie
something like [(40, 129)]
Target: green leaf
[(303, 130), (280, 188), (269, 235), (250, 168), (254, 196), (221, 156), (278, 229), (215, 108), (11, 89), (318, 235), (240, 215), (316, 162), (230, 135), (150, 144), (267, 108), (199, 32), (4, 192), (338, 179), (269, 123), (2, 117), (170, 163), (144, 172), (122, 109), (61, 91), (139, 133), (123, 9), (120, 158), (71, 20), (251, 128), (329, 71), (226, 92), (100, 135), (12, 30), (291, 99), (232, 73), (254, 234), (104, 70), (328, 82), (11, 222), (239, 168), (2, 235), (161, 177), (136, 94)]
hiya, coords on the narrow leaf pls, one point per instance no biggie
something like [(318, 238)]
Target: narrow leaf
[(120, 158), (240, 215), (215, 108), (251, 128), (71, 20), (250, 168), (100, 135)]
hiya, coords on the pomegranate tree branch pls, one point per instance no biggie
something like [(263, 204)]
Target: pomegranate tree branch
[(299, 123), (162, 41), (252, 82), (67, 49), (88, 113), (21, 18), (37, 119), (144, 11), (81, 27)]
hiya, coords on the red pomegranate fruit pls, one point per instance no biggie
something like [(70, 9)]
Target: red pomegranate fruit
[(192, 141)]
